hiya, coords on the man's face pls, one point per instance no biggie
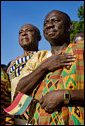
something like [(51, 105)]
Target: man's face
[(27, 35), (54, 26)]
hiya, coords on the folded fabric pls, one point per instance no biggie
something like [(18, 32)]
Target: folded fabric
[(19, 105)]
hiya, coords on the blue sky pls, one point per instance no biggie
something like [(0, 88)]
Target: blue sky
[(14, 14)]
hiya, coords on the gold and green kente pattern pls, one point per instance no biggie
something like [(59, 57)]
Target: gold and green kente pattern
[(70, 78)]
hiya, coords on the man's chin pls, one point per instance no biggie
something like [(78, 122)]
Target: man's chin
[(51, 38)]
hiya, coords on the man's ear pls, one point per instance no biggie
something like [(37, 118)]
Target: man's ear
[(71, 27)]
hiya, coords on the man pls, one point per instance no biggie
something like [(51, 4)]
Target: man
[(78, 37), (56, 76), (29, 37)]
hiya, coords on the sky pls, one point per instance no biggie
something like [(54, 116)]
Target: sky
[(14, 14)]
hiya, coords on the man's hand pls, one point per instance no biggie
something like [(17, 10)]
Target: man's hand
[(58, 61), (29, 82), (52, 101)]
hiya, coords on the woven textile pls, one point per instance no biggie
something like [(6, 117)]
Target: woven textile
[(19, 105), (71, 78), (14, 72), (18, 65), (5, 99)]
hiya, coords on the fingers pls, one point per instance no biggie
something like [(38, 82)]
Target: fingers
[(70, 56), (41, 100), (65, 64), (42, 103), (14, 97), (16, 93), (45, 109), (68, 60), (67, 55), (44, 106)]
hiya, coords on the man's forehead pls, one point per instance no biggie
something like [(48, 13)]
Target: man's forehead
[(55, 14), (27, 26)]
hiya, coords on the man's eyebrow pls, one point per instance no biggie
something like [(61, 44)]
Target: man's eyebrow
[(26, 29), (53, 17), (21, 30)]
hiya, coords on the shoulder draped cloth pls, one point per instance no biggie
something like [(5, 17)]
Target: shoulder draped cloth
[(70, 77)]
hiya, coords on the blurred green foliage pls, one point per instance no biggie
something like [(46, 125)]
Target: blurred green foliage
[(78, 26)]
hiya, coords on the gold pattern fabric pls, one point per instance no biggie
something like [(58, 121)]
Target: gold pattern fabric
[(71, 78)]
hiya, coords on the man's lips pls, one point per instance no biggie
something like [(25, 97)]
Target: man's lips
[(50, 31), (24, 38)]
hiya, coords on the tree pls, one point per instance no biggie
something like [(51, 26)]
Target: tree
[(81, 12), (78, 26)]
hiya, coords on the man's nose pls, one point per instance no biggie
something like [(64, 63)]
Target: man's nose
[(50, 25)]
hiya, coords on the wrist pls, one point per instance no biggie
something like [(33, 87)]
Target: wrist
[(76, 95), (67, 97), (59, 94)]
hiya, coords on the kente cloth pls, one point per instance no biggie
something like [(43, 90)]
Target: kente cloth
[(19, 105), (70, 78), (5, 99)]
